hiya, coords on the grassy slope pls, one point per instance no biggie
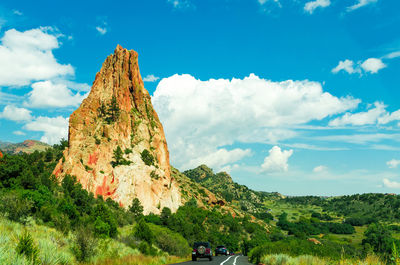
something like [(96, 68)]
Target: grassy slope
[(55, 247)]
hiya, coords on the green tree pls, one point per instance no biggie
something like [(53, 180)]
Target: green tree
[(379, 237), (118, 156), (165, 215), (136, 208), (113, 110), (143, 232)]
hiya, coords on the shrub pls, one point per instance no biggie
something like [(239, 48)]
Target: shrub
[(84, 245), (147, 157), (170, 241), (143, 232), (15, 207), (27, 248)]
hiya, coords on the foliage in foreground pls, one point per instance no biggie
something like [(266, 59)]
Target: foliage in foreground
[(283, 259)]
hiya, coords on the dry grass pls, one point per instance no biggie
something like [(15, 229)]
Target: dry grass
[(283, 259), (140, 260)]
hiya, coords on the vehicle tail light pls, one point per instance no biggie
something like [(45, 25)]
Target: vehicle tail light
[(194, 250), (208, 250)]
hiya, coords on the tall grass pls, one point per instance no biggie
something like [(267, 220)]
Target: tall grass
[(141, 260), (283, 259), (55, 248)]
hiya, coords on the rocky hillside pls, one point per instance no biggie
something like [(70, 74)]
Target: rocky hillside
[(117, 146), (233, 193), (28, 146)]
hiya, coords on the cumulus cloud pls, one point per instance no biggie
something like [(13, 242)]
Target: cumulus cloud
[(277, 160), (14, 113), (150, 78), (376, 115), (320, 169), (391, 184), (27, 56), (202, 117), (360, 3), (312, 5), (53, 128), (361, 118), (372, 65), (48, 94), (393, 163), (347, 66)]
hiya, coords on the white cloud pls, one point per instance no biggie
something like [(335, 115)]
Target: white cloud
[(393, 163), (53, 128), (391, 184), (201, 117), (320, 169), (277, 160), (376, 115), (19, 133), (361, 118), (101, 30), (27, 56), (392, 55), (13, 113), (372, 65), (48, 94), (312, 5), (219, 159), (150, 78), (346, 65), (360, 3)]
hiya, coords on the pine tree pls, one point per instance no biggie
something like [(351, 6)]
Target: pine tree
[(113, 109)]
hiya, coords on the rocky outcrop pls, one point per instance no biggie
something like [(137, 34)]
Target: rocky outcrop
[(117, 148)]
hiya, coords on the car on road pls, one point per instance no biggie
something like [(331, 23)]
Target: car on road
[(221, 250), (202, 250)]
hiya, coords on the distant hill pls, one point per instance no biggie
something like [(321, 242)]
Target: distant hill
[(4, 144), (27, 146), (223, 186)]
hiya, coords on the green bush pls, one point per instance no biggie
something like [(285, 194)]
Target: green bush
[(170, 241), (142, 232), (147, 157), (84, 245), (27, 248)]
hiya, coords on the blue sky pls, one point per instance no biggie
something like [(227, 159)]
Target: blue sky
[(299, 97)]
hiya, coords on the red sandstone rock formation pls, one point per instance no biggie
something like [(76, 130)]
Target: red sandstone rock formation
[(93, 138)]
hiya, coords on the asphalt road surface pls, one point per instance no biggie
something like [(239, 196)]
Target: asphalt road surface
[(220, 260)]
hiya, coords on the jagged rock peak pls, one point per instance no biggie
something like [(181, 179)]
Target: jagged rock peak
[(117, 146)]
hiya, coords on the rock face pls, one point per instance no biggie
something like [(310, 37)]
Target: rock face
[(118, 116)]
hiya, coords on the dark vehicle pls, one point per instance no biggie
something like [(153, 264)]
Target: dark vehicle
[(221, 250), (231, 253), (201, 250)]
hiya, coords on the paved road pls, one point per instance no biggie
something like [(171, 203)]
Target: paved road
[(220, 260)]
